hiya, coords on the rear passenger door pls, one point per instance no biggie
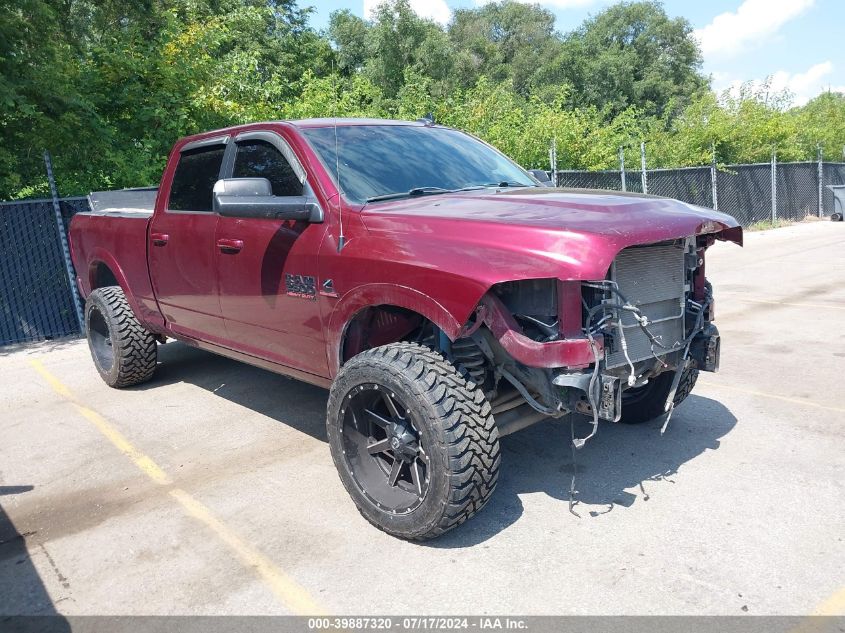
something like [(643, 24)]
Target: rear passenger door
[(182, 250), (268, 284)]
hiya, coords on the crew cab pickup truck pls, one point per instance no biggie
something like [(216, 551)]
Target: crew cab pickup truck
[(442, 293)]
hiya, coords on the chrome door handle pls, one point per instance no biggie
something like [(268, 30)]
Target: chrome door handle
[(229, 245)]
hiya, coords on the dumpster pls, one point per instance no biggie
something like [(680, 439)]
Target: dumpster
[(838, 202)]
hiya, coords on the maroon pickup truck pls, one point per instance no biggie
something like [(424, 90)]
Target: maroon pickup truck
[(443, 294)]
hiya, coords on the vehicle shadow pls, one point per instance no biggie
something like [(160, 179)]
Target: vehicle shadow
[(538, 459), (618, 459), (25, 604), (291, 402)]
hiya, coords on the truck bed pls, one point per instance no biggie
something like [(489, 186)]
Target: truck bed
[(132, 202), (109, 246)]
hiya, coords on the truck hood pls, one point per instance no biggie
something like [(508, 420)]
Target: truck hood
[(501, 235)]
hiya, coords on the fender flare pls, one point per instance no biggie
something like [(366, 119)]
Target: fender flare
[(99, 256), (387, 294)]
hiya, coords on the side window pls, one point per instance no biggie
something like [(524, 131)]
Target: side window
[(259, 159), (194, 179)]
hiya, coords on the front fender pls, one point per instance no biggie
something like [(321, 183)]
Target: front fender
[(376, 294)]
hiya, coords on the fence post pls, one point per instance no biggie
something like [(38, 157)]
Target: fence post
[(63, 240), (821, 179), (553, 159), (713, 178), (774, 186), (642, 166), (622, 166)]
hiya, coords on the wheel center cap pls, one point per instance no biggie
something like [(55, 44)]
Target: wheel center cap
[(395, 444)]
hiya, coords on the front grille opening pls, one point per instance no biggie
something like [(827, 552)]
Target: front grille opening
[(653, 278)]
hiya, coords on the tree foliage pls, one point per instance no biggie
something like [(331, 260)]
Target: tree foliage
[(108, 86), (632, 54)]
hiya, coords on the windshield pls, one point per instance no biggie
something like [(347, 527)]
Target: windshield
[(379, 160)]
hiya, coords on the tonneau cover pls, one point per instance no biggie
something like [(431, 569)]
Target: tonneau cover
[(134, 202)]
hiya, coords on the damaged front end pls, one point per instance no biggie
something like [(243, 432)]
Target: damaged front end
[(546, 348)]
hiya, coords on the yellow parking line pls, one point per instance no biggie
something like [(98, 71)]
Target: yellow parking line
[(834, 605), (774, 396), (295, 597)]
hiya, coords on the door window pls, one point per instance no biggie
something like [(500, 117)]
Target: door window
[(259, 159), (194, 179)]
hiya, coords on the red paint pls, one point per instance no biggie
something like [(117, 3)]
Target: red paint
[(220, 282)]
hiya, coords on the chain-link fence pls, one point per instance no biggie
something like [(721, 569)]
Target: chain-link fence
[(36, 301), (746, 192)]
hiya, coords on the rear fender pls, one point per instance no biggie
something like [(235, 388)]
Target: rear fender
[(100, 256)]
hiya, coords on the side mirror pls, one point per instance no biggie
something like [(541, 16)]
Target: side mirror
[(253, 198), (542, 176)]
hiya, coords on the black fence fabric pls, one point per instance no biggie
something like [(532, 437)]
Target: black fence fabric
[(743, 191), (35, 295)]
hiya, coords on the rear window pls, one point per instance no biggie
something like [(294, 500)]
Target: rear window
[(194, 179)]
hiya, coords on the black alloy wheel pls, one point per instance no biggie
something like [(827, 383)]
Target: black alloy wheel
[(382, 449)]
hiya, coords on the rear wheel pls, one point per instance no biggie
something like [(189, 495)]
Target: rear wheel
[(645, 403), (124, 352), (414, 443)]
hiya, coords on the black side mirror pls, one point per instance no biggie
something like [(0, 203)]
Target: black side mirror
[(542, 176), (253, 198)]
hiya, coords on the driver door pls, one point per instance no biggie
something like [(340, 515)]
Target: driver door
[(267, 268)]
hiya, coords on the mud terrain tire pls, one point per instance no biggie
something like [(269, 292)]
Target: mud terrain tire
[(441, 415), (124, 353)]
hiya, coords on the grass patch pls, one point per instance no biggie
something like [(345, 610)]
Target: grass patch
[(765, 225)]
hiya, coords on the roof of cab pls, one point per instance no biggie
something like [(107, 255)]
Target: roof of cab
[(304, 123), (342, 122)]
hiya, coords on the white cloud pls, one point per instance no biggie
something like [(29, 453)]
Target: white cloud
[(436, 10), (803, 85), (752, 23)]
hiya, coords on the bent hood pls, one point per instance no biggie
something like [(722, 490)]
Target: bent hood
[(533, 233)]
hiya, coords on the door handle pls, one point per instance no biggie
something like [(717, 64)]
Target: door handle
[(159, 239), (229, 245)]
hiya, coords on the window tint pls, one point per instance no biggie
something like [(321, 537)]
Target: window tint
[(259, 159), (384, 159), (194, 179)]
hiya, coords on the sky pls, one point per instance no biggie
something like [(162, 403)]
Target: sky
[(797, 43)]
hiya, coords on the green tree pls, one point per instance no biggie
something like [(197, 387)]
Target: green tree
[(821, 122), (631, 54), (349, 33), (505, 42)]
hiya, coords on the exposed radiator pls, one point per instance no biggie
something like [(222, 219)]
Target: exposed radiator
[(651, 278)]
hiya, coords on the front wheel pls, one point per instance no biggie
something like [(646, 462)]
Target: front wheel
[(414, 443), (124, 353), (645, 403)]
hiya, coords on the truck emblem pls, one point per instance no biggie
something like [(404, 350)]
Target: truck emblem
[(302, 286)]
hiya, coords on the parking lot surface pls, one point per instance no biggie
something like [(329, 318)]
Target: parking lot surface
[(210, 490)]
